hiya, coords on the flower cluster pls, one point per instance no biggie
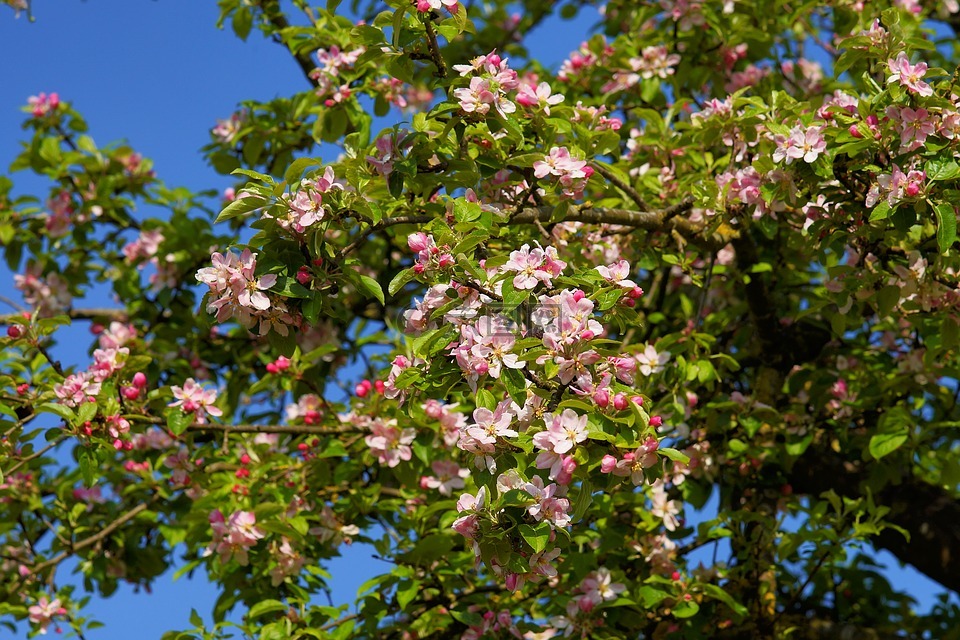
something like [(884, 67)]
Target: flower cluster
[(238, 293), (896, 186), (234, 536), (430, 257), (389, 443), (490, 80), (226, 131), (193, 398), (49, 294), (534, 266), (45, 611), (571, 172), (331, 62), (42, 104), (305, 207)]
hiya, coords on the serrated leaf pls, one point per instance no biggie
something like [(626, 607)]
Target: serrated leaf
[(883, 444), (400, 280), (177, 420), (295, 170), (63, 411), (266, 606), (372, 287), (946, 226), (673, 454), (718, 593), (537, 537), (241, 206), (881, 211)]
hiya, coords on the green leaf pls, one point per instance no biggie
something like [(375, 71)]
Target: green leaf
[(372, 287), (537, 537), (400, 280), (515, 383), (242, 22), (887, 299), (942, 169), (674, 455), (177, 420), (946, 226), (88, 466), (241, 206), (63, 411), (296, 168), (881, 211), (266, 606), (406, 595), (718, 593), (882, 444), (86, 412), (685, 609)]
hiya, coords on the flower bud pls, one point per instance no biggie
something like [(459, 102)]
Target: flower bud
[(620, 402), (139, 380), (14, 331)]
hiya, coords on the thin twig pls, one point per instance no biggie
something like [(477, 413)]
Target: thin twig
[(620, 184)]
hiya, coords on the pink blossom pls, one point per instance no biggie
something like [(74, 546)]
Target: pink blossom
[(389, 443), (564, 431), (655, 62), (42, 104), (538, 96), (651, 361), (193, 398), (802, 143), (234, 536), (908, 75), (77, 389), (449, 476), (45, 611), (913, 125)]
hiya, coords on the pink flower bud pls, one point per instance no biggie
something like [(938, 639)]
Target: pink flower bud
[(636, 292), (579, 295), (637, 400), (304, 276), (602, 398), (418, 241), (379, 386), (872, 120), (620, 402), (419, 268), (14, 331), (587, 335), (245, 459), (855, 131), (629, 302), (608, 464), (656, 421), (361, 390), (272, 367), (139, 380), (283, 363), (446, 260), (481, 367), (131, 393), (912, 189)]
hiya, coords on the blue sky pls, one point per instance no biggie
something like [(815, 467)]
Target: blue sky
[(158, 74)]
